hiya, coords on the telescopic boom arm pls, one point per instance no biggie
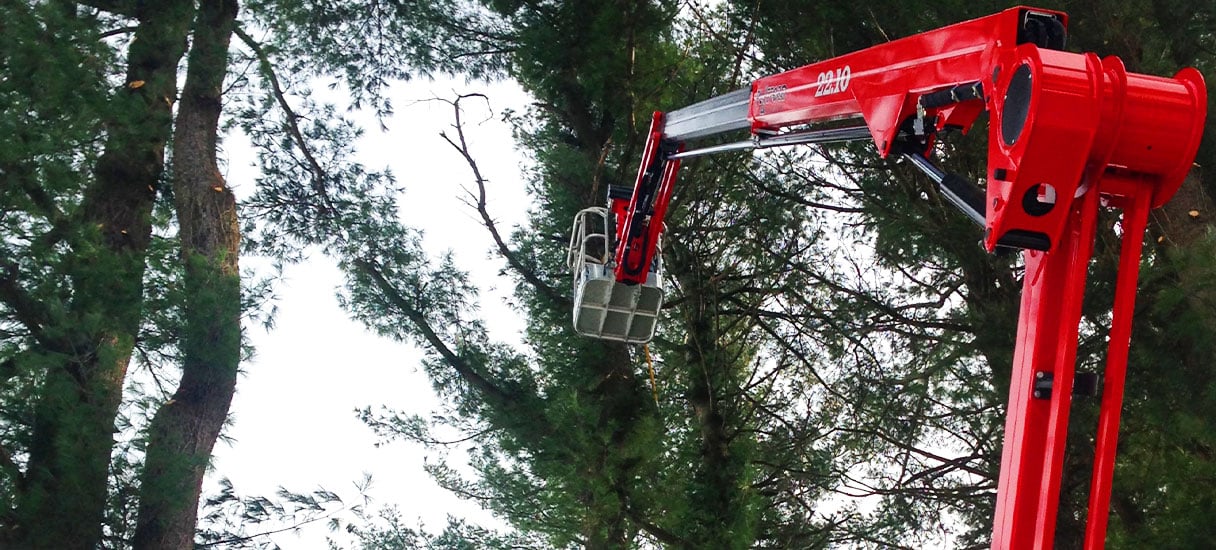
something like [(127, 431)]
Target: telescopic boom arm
[(1067, 133)]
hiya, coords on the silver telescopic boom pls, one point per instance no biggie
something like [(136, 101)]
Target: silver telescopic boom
[(713, 116)]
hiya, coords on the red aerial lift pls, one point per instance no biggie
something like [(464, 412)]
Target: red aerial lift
[(1068, 133)]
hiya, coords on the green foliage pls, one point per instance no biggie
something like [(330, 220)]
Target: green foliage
[(372, 44), (230, 520), (388, 531)]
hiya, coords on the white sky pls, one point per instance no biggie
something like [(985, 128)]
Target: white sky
[(293, 418)]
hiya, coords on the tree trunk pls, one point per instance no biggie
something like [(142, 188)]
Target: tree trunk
[(718, 493), (185, 429), (621, 401), (63, 499)]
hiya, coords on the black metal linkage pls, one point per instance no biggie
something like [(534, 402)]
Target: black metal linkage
[(793, 138)]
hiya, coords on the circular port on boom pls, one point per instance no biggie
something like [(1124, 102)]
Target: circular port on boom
[(1039, 199), (1016, 107)]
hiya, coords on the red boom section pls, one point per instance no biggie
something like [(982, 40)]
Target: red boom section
[(1147, 130), (882, 84), (1053, 113), (639, 227), (633, 247)]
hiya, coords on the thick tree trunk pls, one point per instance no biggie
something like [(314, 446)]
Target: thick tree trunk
[(1188, 216), (185, 429), (622, 402), (63, 499), (720, 513)]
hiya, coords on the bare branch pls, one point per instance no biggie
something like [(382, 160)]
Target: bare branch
[(802, 358), (460, 144), (891, 311), (959, 463), (118, 31), (759, 183)]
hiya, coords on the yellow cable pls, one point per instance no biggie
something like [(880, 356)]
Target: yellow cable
[(654, 387)]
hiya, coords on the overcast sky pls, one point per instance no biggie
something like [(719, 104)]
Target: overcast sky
[(293, 418)]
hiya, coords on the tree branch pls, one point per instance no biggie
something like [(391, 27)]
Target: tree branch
[(292, 527), (785, 344), (461, 146), (28, 311), (891, 311), (21, 176), (921, 452), (798, 199), (117, 7), (662, 535), (319, 174), (466, 371), (116, 32)]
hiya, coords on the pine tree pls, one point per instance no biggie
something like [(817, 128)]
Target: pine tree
[(89, 274), (77, 331)]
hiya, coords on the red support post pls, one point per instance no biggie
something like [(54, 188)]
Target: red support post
[(638, 236), (1135, 218), (1044, 362)]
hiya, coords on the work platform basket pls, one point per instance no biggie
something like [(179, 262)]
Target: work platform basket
[(603, 307)]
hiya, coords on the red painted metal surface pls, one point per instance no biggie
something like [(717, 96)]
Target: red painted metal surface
[(1131, 139), (1069, 134), (882, 83), (639, 234), (1035, 427), (1085, 114), (1135, 218), (631, 248)]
